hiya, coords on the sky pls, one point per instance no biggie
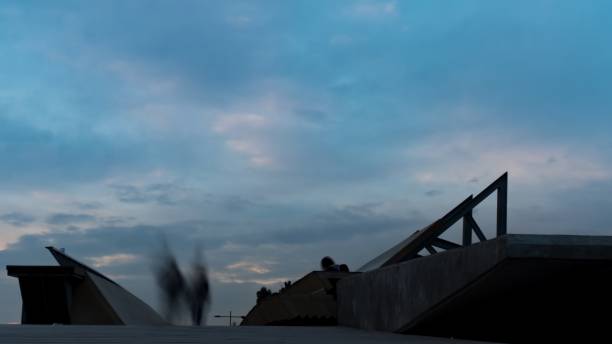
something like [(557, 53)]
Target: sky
[(273, 133)]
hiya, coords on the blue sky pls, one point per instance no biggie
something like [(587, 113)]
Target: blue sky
[(276, 132)]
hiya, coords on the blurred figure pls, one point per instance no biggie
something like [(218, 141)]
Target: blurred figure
[(328, 264), (170, 281), (198, 295)]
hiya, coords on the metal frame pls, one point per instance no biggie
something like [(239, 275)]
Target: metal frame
[(429, 237)]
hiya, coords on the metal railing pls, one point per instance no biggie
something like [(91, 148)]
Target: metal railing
[(429, 238)]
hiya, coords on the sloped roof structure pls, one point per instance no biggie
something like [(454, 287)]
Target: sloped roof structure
[(309, 301), (74, 293)]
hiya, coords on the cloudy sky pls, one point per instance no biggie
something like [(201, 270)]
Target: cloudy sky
[(273, 133)]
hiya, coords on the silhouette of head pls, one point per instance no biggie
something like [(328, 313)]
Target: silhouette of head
[(326, 262)]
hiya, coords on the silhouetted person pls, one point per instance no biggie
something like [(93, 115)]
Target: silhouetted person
[(263, 293), (344, 268), (328, 264), (199, 294), (171, 282)]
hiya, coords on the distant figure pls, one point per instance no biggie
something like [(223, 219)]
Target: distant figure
[(172, 285), (198, 295), (344, 268), (177, 291), (263, 293), (328, 264)]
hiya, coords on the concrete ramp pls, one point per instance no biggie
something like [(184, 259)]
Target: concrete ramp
[(515, 288)]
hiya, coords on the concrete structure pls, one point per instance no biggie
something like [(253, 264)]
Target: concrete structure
[(512, 288), (309, 301), (17, 334), (515, 288), (74, 293)]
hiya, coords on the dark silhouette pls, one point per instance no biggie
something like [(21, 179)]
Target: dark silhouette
[(170, 281), (328, 264), (178, 292), (198, 295), (263, 293), (286, 285)]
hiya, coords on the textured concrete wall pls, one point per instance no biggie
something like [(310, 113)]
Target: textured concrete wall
[(130, 309), (386, 299), (392, 298)]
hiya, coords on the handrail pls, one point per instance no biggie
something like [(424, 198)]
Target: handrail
[(429, 238)]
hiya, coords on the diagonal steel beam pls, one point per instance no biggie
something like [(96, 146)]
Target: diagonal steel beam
[(474, 226)]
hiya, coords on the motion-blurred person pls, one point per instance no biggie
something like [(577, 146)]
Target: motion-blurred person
[(199, 292), (171, 283)]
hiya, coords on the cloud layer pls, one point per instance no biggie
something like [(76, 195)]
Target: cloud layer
[(274, 133)]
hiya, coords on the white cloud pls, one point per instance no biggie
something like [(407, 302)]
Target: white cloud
[(113, 259), (253, 149), (11, 234), (245, 134), (249, 266), (245, 271), (225, 277), (235, 123)]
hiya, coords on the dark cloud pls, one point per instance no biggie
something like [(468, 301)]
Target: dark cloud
[(100, 241), (88, 205), (67, 219), (312, 115), (328, 232), (17, 219), (432, 193), (338, 224), (328, 226), (237, 203), (363, 209), (160, 193), (172, 194), (115, 221)]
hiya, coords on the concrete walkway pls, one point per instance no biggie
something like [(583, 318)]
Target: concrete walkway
[(16, 334)]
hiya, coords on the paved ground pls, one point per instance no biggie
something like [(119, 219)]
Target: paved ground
[(16, 334)]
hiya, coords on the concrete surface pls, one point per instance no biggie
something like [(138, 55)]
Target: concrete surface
[(17, 334), (389, 298), (511, 289)]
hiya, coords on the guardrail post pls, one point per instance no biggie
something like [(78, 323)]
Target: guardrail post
[(467, 229), (502, 205)]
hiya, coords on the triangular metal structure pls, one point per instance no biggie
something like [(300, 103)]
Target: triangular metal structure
[(429, 239)]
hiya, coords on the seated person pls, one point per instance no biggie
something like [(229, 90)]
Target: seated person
[(328, 264)]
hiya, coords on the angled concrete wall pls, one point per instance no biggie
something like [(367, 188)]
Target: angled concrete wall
[(515, 288), (387, 299)]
